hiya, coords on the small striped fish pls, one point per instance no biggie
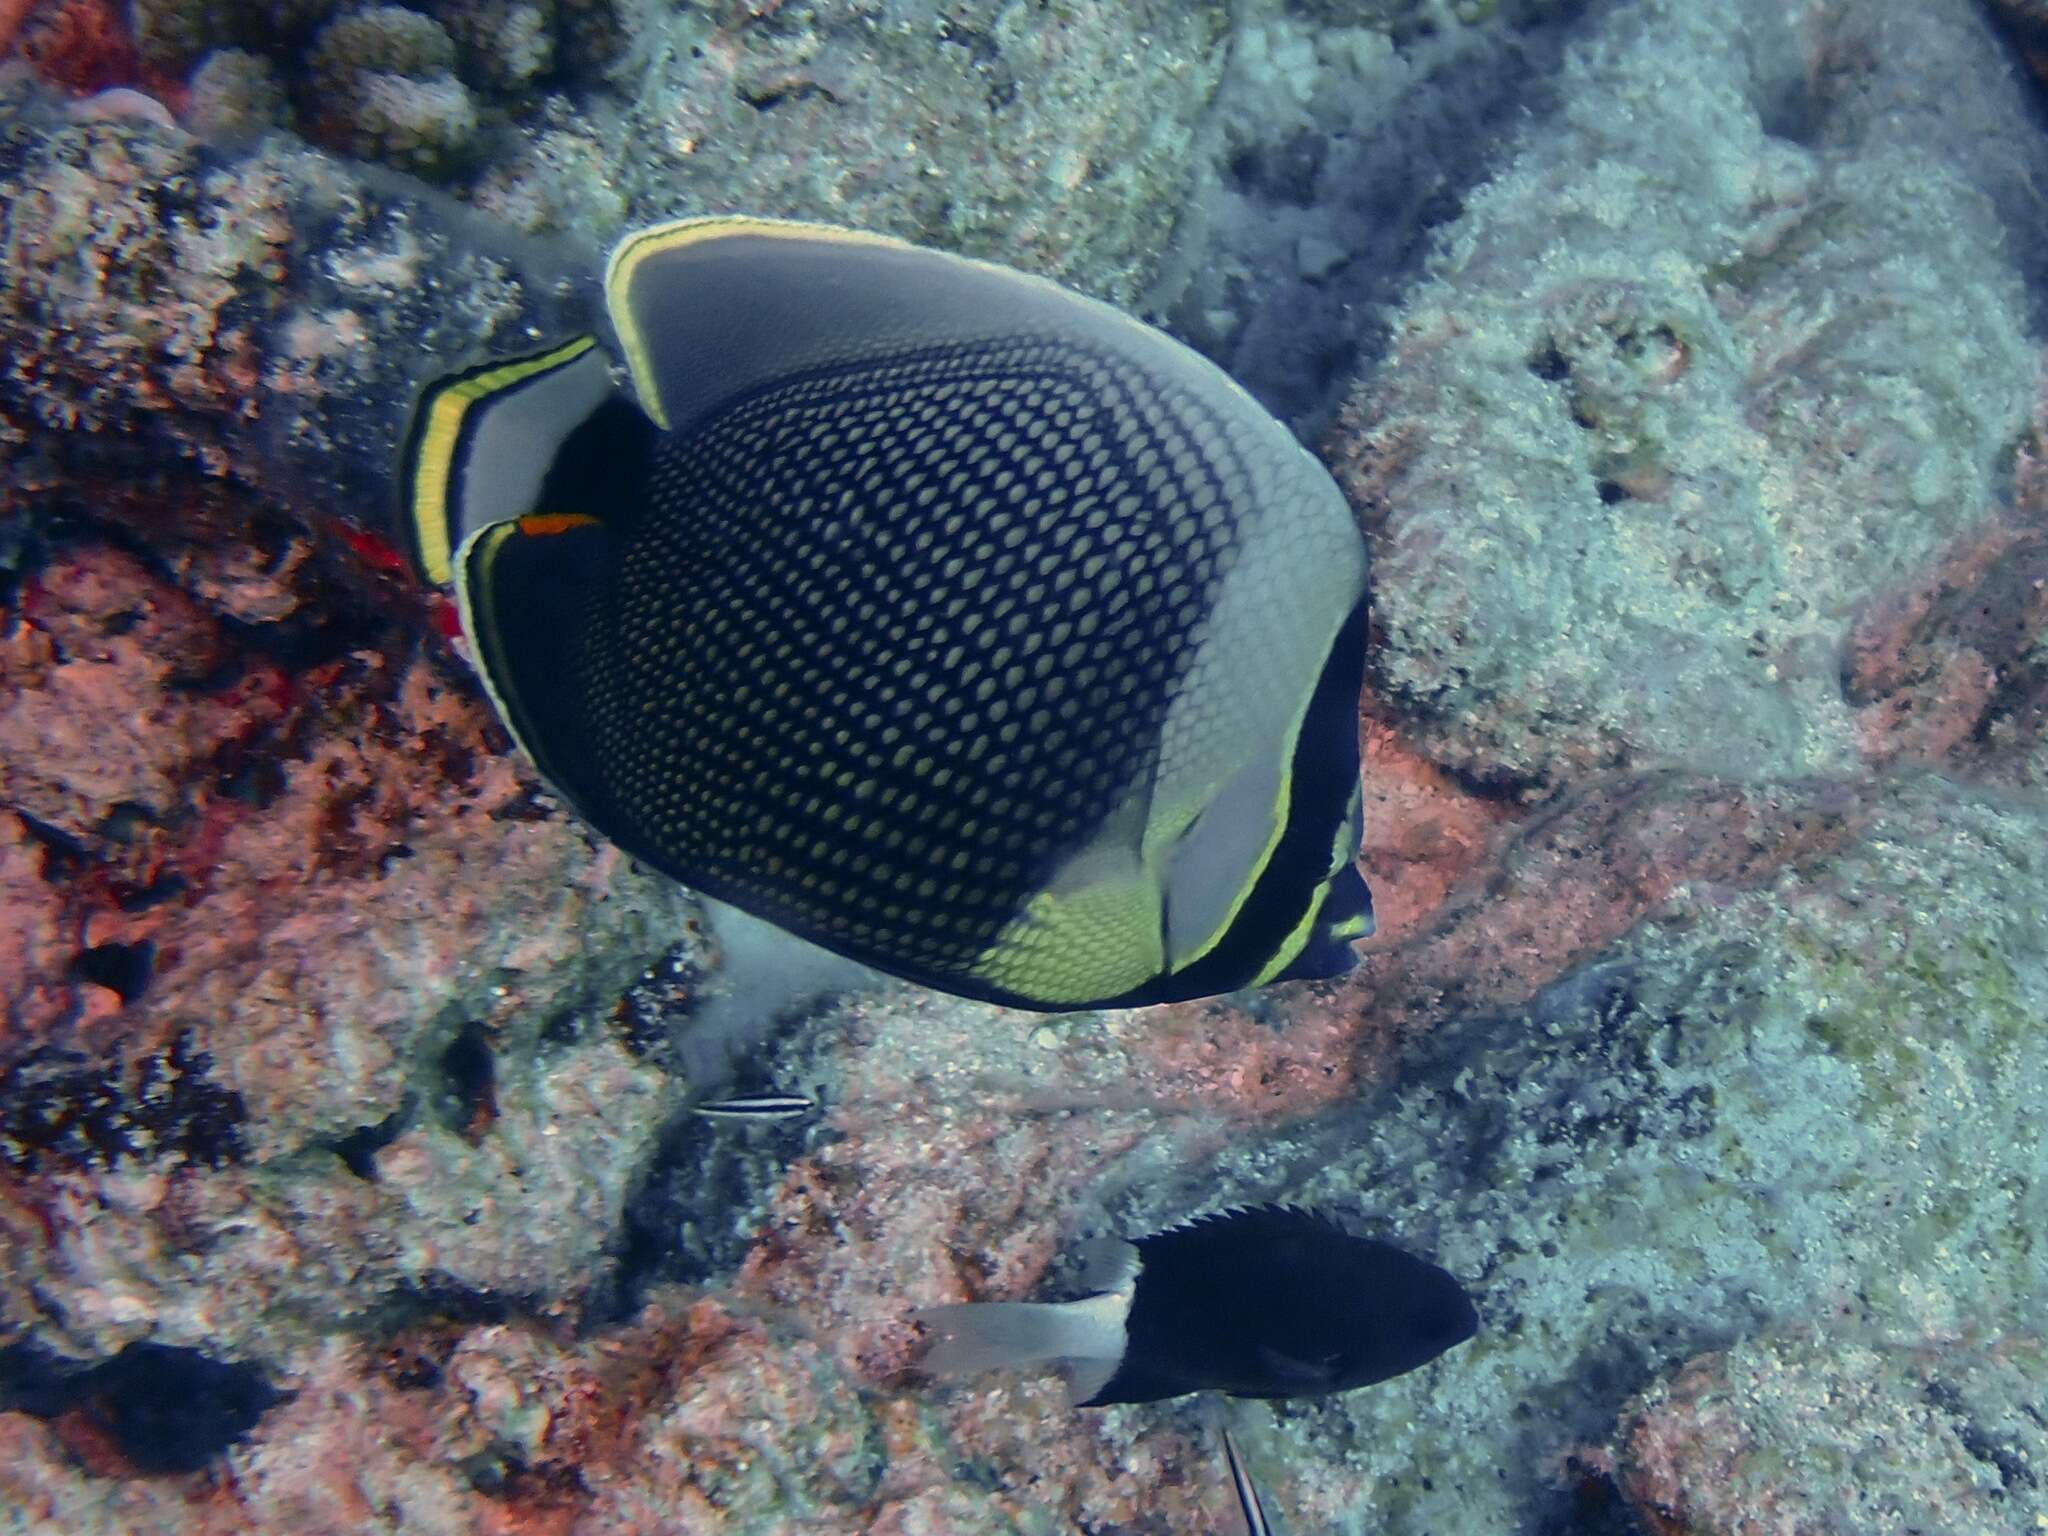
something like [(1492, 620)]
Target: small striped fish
[(1247, 1490), (757, 1106)]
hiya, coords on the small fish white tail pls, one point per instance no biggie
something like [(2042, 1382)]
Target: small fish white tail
[(985, 1336)]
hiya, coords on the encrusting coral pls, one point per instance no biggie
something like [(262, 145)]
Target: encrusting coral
[(385, 81)]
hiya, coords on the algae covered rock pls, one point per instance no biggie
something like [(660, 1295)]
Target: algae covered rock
[(1729, 348), (1810, 1104), (234, 94), (385, 80), (291, 957), (1816, 1435), (507, 44), (411, 86), (1076, 165), (174, 34), (588, 116)]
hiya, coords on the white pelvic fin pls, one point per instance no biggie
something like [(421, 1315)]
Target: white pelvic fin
[(985, 1336)]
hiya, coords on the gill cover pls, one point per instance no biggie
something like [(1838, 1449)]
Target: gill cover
[(482, 443)]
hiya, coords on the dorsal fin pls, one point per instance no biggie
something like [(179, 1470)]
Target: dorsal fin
[(1238, 1224), (710, 309)]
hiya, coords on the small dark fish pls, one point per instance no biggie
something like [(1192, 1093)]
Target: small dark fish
[(1269, 1302), (1247, 1490), (757, 1106)]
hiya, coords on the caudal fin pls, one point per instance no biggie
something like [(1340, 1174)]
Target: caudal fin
[(989, 1335), (986, 1336)]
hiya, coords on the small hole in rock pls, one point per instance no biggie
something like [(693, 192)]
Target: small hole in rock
[(174, 1410), (359, 1148), (122, 969), (167, 1409), (166, 887), (469, 1076), (1549, 364)]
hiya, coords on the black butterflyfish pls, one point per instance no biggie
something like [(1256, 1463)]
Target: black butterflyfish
[(937, 614)]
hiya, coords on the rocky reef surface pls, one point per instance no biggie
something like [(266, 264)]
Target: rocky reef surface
[(1681, 359)]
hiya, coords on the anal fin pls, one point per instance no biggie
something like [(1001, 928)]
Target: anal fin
[(530, 589)]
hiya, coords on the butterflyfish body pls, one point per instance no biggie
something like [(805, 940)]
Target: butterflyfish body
[(944, 617)]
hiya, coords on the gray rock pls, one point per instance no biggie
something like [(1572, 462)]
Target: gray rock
[(1812, 1104), (1812, 1434), (1733, 344)]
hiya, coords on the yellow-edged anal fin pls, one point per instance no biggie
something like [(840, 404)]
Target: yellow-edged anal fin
[(1291, 946)]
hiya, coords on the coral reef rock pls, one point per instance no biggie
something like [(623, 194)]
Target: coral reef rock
[(1735, 340), (1682, 359), (1807, 1435), (1804, 1100)]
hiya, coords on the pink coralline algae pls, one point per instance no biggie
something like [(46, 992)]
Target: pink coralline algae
[(1577, 876), (271, 910), (789, 1401), (1423, 832), (81, 45), (1951, 670), (952, 1170), (12, 14), (253, 857)]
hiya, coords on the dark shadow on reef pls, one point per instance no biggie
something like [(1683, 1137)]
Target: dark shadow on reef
[(1312, 225), (165, 1409)]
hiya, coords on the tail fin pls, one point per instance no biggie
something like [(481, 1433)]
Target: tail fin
[(1086, 1336), (985, 1336)]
